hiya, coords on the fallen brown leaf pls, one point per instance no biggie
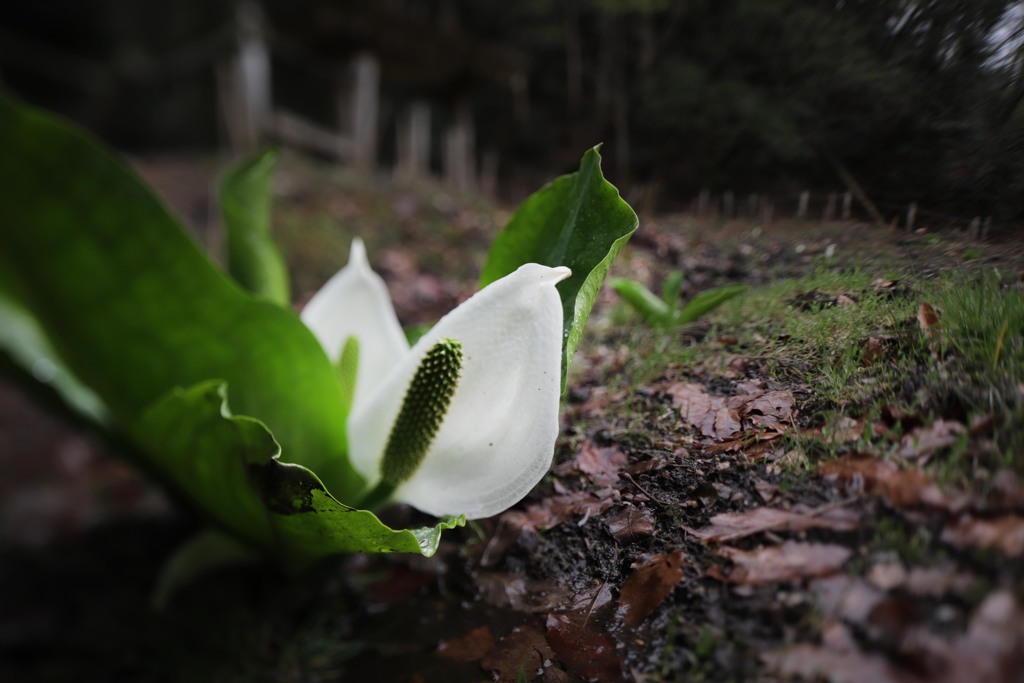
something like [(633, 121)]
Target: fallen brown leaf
[(555, 510), (818, 300), (469, 647), (932, 582), (726, 423), (887, 576), (749, 387), (922, 442), (848, 598), (518, 592), (817, 663), (649, 585), (721, 417), (631, 524), (1005, 534), (705, 412), (845, 300), (790, 561), (872, 351), (1007, 492), (555, 675), (588, 654), (589, 602), (738, 366), (753, 444), (525, 647), (992, 650), (902, 488), (767, 490), (730, 526), (601, 463), (939, 581), (928, 320), (768, 410), (844, 430)]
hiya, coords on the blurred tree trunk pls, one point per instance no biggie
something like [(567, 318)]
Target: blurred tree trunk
[(573, 59), (620, 107), (603, 88)]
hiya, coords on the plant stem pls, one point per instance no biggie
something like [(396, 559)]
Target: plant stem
[(378, 496)]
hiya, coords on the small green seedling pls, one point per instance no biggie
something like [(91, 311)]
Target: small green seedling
[(664, 313)]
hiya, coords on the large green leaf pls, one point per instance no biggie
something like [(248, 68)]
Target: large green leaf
[(29, 349), (253, 258), (228, 465), (134, 307), (580, 221)]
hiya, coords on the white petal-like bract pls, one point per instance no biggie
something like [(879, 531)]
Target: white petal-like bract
[(497, 439), (355, 302)]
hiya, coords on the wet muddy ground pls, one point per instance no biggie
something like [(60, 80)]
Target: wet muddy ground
[(710, 515)]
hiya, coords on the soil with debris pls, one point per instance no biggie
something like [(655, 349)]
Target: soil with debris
[(693, 526)]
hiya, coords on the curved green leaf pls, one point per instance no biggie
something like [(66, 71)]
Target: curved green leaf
[(580, 221), (705, 302), (253, 258), (227, 465), (655, 311), (24, 341), (135, 308), (671, 289)]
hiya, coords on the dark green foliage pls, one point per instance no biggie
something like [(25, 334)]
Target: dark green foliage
[(728, 94), (756, 95)]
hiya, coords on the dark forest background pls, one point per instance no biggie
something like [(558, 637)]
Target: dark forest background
[(918, 100)]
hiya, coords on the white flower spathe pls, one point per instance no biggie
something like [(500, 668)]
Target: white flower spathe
[(497, 438)]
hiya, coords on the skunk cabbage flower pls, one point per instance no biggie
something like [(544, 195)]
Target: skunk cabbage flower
[(464, 422)]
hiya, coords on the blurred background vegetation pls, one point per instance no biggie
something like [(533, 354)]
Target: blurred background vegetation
[(917, 100)]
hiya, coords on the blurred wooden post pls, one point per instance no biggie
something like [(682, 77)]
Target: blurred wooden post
[(243, 82), (703, 199), (365, 108), (854, 187), (911, 216), (298, 131), (974, 229), (489, 173), (830, 208), (752, 204), (801, 207), (459, 152), (847, 204), (986, 226), (414, 142), (727, 205)]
